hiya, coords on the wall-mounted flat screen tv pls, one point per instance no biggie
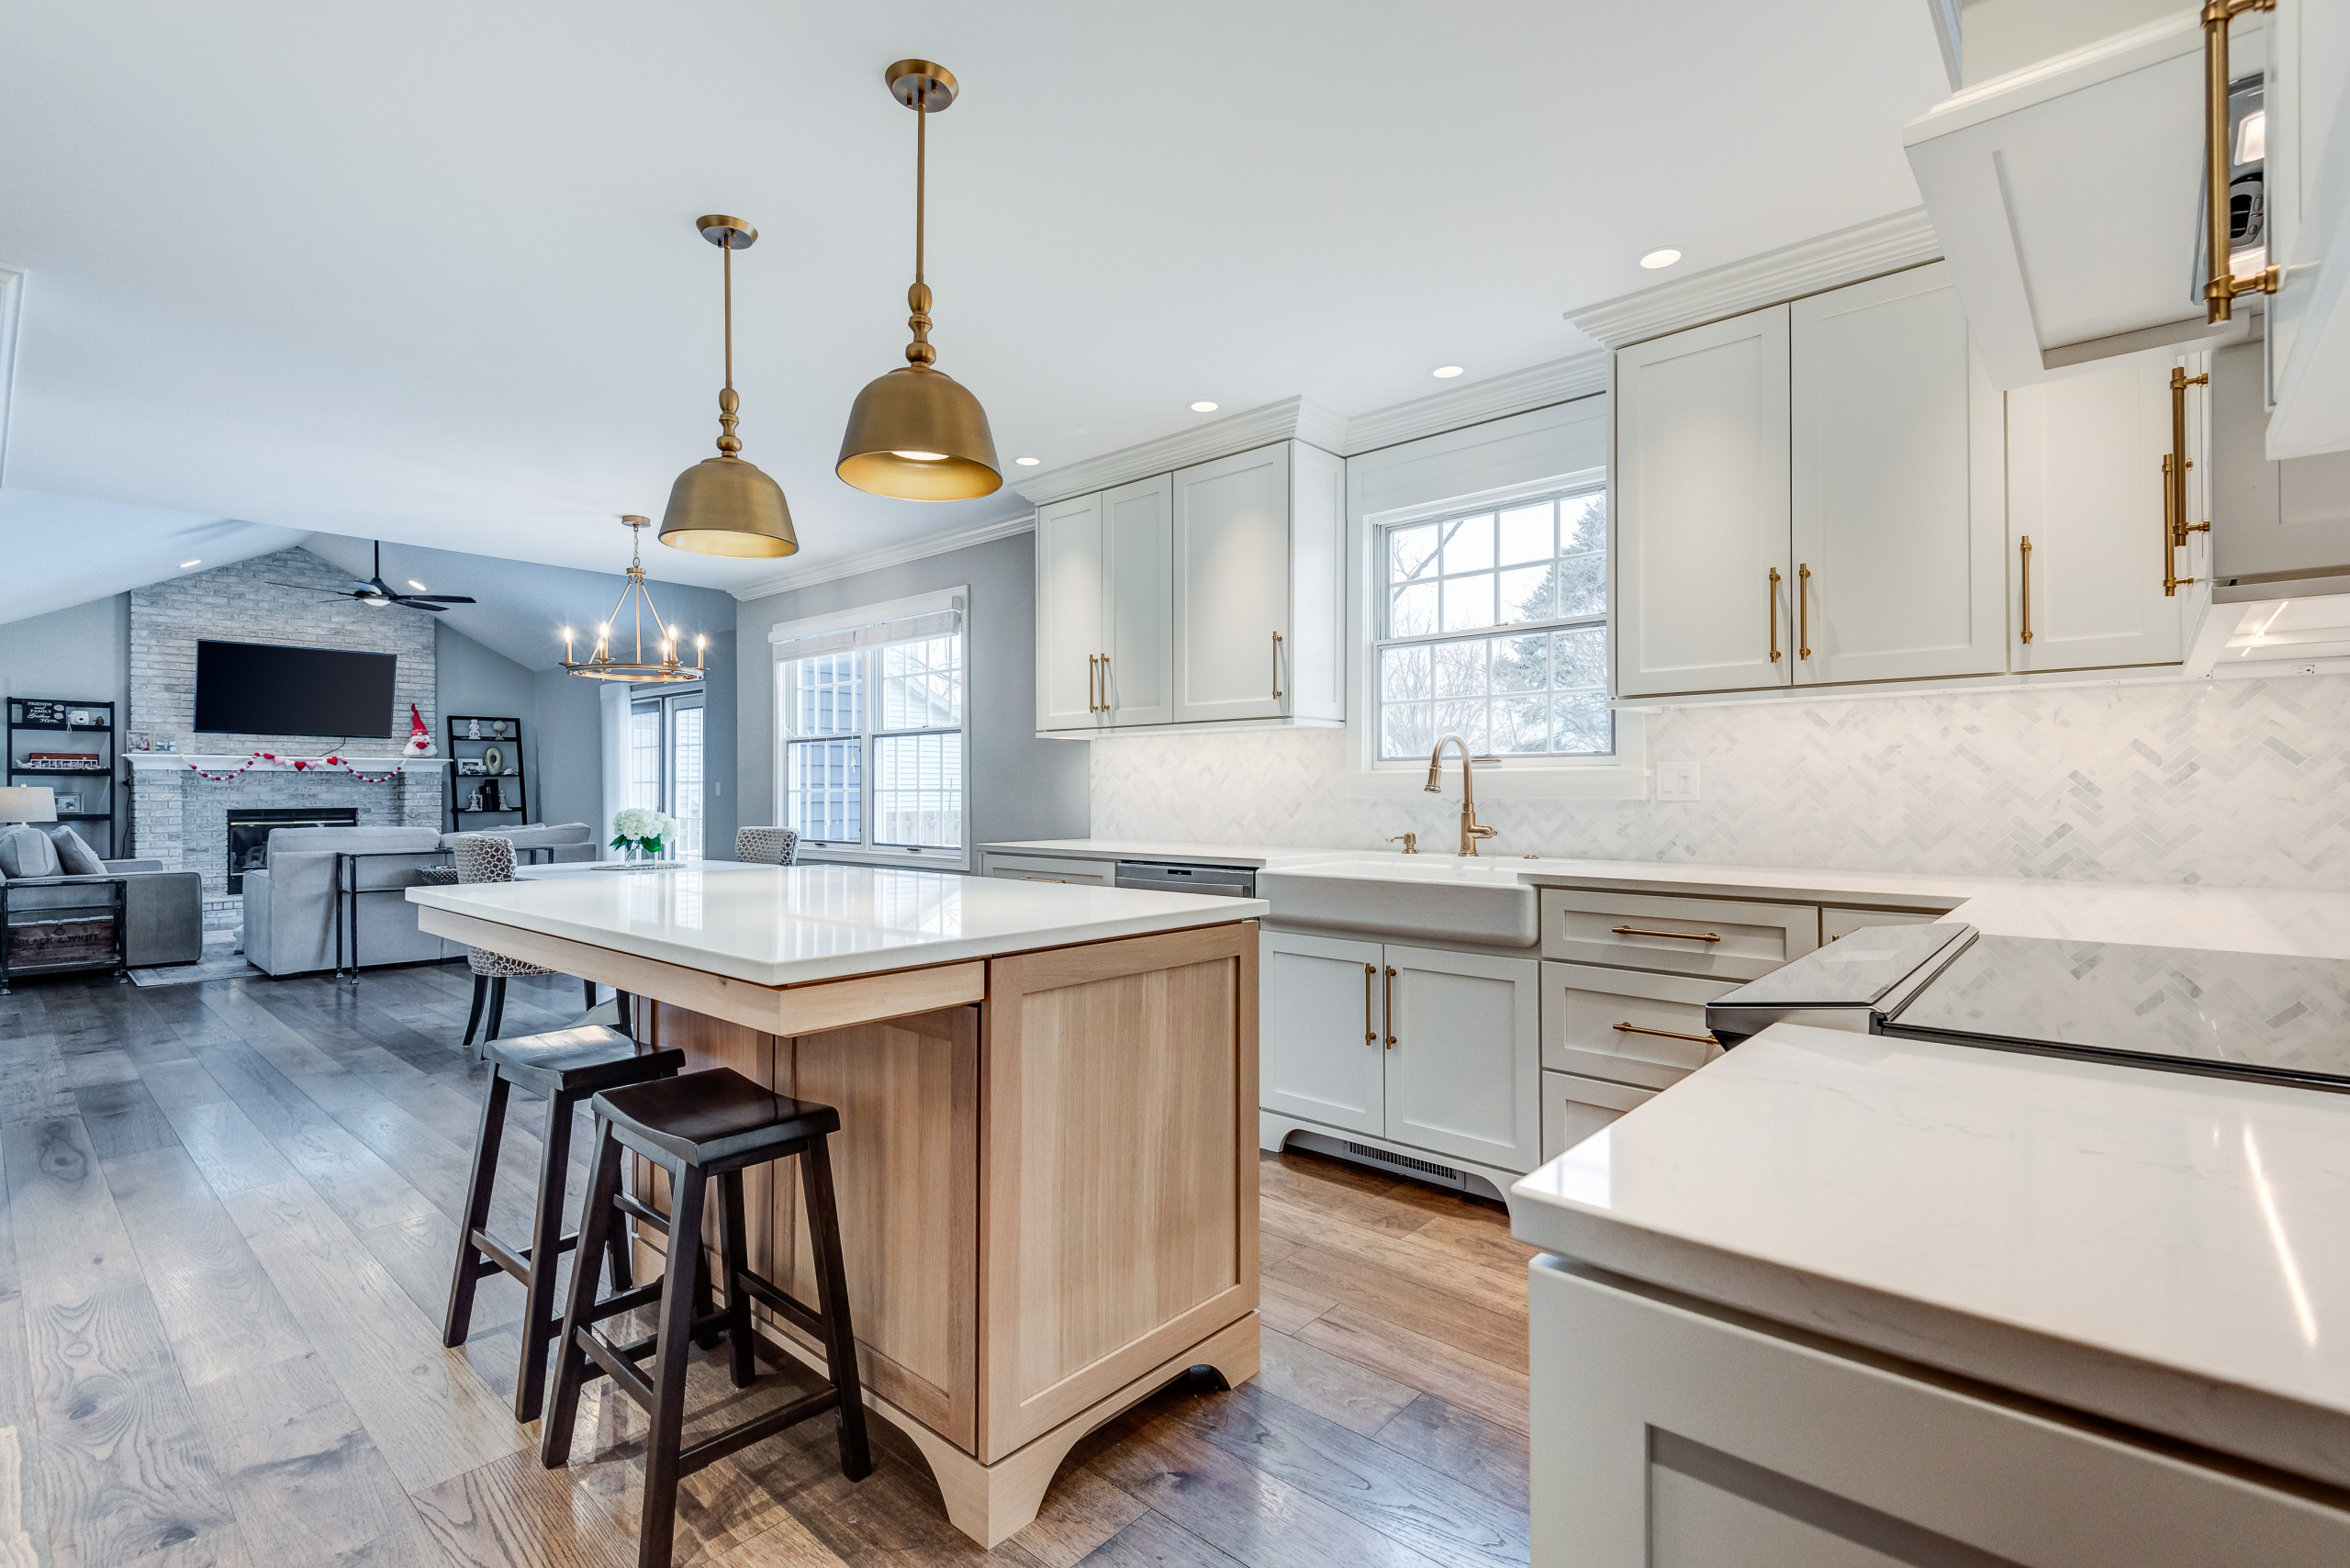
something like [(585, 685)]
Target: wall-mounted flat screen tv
[(261, 688)]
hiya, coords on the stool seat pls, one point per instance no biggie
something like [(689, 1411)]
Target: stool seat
[(576, 1061), (715, 1119)]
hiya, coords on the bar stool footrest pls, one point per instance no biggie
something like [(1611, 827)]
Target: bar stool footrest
[(515, 1261), (799, 1314), (756, 1430)]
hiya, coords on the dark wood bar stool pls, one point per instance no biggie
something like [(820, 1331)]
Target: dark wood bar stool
[(565, 1067), (702, 1124)]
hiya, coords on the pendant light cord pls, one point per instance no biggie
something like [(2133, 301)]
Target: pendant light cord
[(728, 246), (922, 160)]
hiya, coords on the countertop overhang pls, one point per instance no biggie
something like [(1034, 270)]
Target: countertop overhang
[(782, 925), (2163, 1251)]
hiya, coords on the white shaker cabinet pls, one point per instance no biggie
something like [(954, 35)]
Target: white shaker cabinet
[(1137, 629), (1103, 622), (1462, 1073), (1432, 1049), (1703, 576), (1320, 1053), (1258, 584), (1898, 510), (2085, 487), (1069, 613)]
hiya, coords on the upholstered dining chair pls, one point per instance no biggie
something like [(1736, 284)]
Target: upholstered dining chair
[(485, 857), (767, 846)]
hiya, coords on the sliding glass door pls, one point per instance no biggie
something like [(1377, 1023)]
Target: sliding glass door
[(664, 762)]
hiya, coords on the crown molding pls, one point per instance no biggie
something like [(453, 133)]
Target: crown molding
[(12, 294), (1864, 251), (1515, 392), (1292, 419), (888, 556)]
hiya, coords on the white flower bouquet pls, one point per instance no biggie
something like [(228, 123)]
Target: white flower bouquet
[(643, 832)]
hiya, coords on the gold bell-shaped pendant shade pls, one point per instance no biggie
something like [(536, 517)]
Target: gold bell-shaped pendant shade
[(724, 505), (917, 433)]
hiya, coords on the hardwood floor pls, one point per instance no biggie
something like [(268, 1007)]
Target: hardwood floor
[(224, 1248)]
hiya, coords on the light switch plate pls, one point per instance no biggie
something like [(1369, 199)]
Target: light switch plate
[(1677, 780)]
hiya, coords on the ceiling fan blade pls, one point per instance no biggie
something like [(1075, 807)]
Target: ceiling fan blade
[(419, 604), (313, 587), (436, 598)]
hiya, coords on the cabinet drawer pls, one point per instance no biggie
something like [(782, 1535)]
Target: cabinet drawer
[(1719, 938), (1625, 1025), (1574, 1107), (1052, 869), (1837, 923)]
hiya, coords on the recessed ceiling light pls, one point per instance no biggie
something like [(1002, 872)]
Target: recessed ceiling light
[(417, 586), (1445, 372), (1027, 462), (186, 564), (1664, 258), (1203, 407)]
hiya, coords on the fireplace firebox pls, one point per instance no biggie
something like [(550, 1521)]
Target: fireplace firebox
[(250, 827)]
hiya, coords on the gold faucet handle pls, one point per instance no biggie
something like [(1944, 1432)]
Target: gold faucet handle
[(1410, 841)]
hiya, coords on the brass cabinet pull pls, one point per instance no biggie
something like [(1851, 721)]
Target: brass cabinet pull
[(1774, 615), (1663, 1034), (1277, 666), (1676, 936), (2026, 587), (1803, 610), (2175, 463), (1388, 1007), (1105, 683), (1092, 674), (1369, 1034), (2218, 158)]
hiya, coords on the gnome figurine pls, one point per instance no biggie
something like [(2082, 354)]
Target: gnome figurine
[(420, 739)]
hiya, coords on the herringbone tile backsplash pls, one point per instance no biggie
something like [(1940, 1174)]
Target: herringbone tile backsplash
[(2243, 783)]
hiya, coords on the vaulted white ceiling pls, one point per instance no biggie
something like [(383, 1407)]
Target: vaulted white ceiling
[(428, 274)]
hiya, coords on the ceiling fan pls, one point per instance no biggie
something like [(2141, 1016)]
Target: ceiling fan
[(374, 591)]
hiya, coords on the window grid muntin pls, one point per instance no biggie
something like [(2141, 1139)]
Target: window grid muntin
[(1576, 712), (891, 785)]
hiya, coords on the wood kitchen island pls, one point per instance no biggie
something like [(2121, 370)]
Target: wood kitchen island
[(1046, 1165)]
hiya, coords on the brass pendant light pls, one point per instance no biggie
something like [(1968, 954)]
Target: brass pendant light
[(723, 506), (917, 433)]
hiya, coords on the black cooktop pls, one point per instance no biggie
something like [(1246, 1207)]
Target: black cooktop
[(2246, 1014)]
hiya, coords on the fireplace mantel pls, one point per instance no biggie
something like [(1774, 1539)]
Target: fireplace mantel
[(181, 761)]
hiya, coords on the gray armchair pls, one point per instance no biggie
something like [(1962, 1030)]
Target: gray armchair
[(162, 914), (290, 906)]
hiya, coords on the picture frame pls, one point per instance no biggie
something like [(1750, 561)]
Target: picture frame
[(469, 767), (68, 802)]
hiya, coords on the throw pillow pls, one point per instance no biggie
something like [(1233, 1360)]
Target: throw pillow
[(27, 852), (74, 856)]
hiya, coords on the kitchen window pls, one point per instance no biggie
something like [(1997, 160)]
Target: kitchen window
[(665, 763), (1492, 624), (873, 727)]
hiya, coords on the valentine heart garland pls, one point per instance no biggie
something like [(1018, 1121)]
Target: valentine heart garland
[(326, 764)]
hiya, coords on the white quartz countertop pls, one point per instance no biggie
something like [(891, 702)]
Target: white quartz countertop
[(1163, 850), (2166, 1250), (790, 925)]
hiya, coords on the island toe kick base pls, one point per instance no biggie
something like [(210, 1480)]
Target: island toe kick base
[(1046, 1177)]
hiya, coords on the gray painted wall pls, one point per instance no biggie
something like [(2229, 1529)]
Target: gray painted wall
[(1021, 787), (82, 652), (480, 680), (571, 737)]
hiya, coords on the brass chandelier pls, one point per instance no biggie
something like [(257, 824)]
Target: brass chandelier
[(916, 433), (599, 665), (723, 505)]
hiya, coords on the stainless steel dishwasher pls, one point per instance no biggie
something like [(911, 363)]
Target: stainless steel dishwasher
[(1220, 881)]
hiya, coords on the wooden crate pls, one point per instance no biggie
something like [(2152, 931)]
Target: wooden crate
[(88, 940)]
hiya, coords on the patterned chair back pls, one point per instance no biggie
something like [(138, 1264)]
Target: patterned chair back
[(483, 858), (767, 846)]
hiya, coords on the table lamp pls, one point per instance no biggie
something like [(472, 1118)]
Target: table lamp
[(27, 804)]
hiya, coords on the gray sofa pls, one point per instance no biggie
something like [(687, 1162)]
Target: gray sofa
[(290, 906), (163, 910)]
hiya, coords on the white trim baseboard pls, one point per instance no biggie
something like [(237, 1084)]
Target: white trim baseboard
[(1882, 245)]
